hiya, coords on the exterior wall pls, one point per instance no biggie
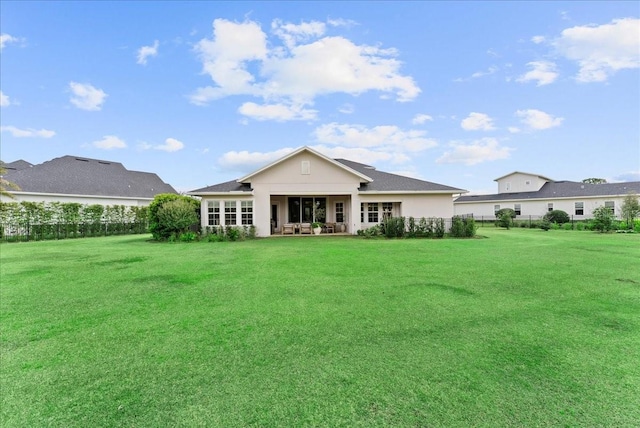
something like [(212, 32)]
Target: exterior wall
[(85, 200), (539, 207), (517, 182), (408, 205)]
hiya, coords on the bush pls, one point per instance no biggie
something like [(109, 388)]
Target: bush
[(393, 227), (176, 217), (567, 226), (504, 217), (603, 220), (162, 231), (557, 216), (462, 227), (545, 225)]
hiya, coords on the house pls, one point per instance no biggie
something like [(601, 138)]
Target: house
[(297, 187), (83, 180), (533, 195)]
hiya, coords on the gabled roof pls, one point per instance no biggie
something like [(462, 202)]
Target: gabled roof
[(387, 182), (247, 178), (561, 189), (17, 165), (371, 179), (525, 173), (71, 175)]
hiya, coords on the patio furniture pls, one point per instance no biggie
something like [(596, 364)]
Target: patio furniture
[(288, 229), (330, 227), (305, 228)]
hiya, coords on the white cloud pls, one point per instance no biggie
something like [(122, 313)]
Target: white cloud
[(514, 129), (601, 50), (245, 160), (241, 60), (278, 112), (484, 150), (110, 142), (628, 176), (86, 97), (29, 132), (5, 39), (170, 145), (420, 119), (477, 122), (4, 100), (384, 138), (538, 39), (362, 155), (543, 72), (347, 109), (538, 120), (146, 51)]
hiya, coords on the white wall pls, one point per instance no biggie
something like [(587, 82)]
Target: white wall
[(520, 182), (85, 200)]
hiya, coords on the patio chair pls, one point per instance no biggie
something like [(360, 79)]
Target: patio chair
[(288, 229), (305, 228), (330, 227)]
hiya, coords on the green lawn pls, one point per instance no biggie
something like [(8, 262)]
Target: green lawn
[(524, 328)]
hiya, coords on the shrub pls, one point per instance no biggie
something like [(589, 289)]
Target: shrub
[(603, 220), (393, 227), (567, 226), (187, 236), (462, 227), (580, 226), (158, 229), (545, 225), (176, 217), (412, 229), (439, 228), (504, 217), (557, 216)]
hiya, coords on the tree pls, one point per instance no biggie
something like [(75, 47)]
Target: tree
[(5, 184), (630, 209), (594, 181), (603, 219)]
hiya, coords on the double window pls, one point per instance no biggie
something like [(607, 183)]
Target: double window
[(229, 209)]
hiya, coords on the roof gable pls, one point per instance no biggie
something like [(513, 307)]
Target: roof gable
[(361, 176), (523, 173)]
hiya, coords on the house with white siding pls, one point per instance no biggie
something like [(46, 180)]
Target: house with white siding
[(292, 191), (533, 195)]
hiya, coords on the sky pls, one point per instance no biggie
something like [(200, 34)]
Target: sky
[(457, 93)]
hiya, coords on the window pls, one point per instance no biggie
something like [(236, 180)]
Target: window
[(373, 212), (579, 206), (340, 212), (230, 213), (507, 186), (550, 206), (246, 209), (527, 183), (387, 210), (361, 213), (213, 209), (496, 208), (305, 167), (517, 208), (611, 206)]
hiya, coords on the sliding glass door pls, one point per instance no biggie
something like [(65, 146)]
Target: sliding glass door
[(307, 210)]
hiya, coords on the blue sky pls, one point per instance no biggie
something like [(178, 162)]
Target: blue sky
[(458, 93)]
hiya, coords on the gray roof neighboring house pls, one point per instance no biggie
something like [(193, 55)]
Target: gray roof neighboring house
[(72, 175), (17, 165), (561, 189)]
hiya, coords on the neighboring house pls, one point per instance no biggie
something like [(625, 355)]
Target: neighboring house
[(83, 180), (348, 193), (532, 195)]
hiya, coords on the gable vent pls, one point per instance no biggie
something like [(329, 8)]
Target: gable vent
[(305, 168)]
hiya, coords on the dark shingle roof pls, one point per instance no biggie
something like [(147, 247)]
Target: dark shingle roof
[(561, 189), (228, 186), (17, 165), (387, 182), (72, 175)]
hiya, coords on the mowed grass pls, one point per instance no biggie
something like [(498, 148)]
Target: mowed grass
[(523, 328)]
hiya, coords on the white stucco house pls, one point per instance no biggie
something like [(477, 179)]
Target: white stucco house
[(533, 195), (83, 180), (348, 193)]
